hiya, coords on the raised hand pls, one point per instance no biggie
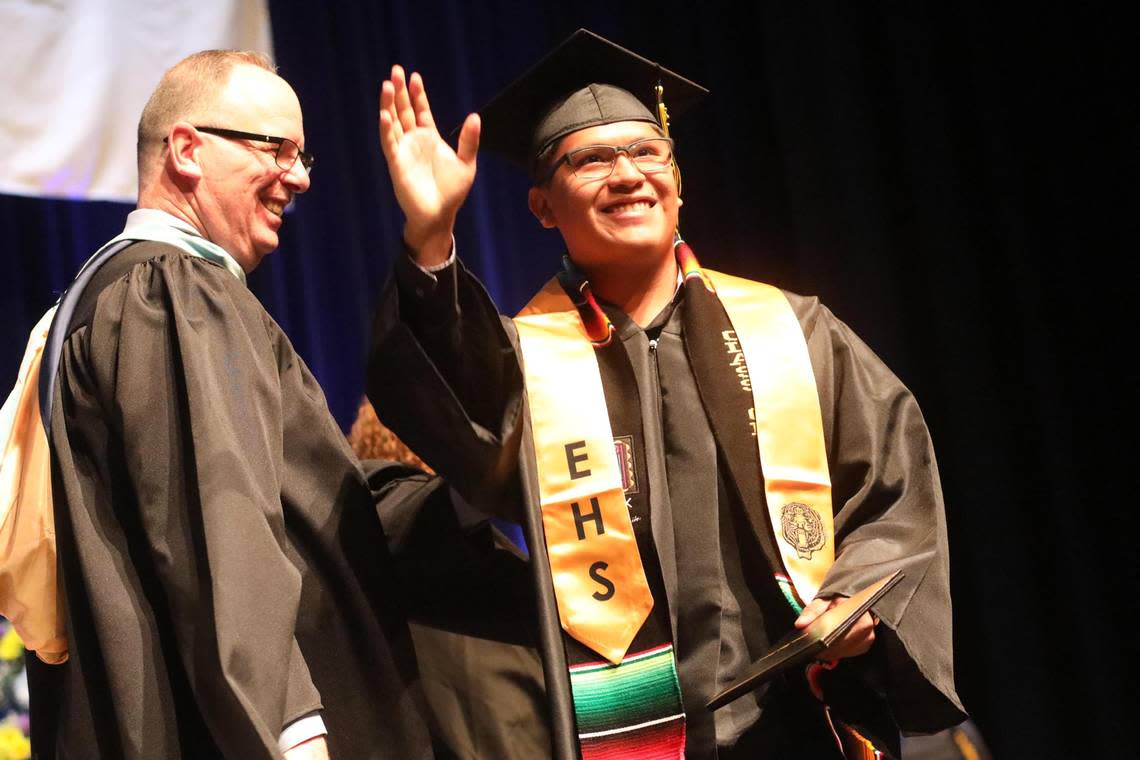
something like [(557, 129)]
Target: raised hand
[(430, 179)]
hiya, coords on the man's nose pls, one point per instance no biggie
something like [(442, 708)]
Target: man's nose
[(625, 170), (297, 178)]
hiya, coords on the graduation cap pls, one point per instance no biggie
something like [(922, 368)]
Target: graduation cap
[(584, 82)]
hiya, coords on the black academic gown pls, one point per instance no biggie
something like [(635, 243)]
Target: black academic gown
[(457, 400), (224, 569)]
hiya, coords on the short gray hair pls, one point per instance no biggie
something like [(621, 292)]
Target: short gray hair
[(189, 86)]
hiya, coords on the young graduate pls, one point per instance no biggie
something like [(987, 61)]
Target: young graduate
[(704, 462)]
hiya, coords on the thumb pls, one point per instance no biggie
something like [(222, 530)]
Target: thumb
[(469, 139)]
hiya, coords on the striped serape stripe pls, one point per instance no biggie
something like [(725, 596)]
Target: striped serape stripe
[(631, 710)]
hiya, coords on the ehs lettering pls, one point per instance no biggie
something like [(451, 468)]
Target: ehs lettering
[(596, 574), (594, 516), (572, 460)]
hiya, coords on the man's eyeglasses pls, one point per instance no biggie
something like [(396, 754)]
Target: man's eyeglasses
[(594, 162), (287, 151)]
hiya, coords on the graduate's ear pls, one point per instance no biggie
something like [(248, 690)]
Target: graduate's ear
[(184, 145), (539, 202)]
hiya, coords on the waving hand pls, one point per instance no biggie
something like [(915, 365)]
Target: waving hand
[(430, 179)]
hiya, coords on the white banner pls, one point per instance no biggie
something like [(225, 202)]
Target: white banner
[(75, 75)]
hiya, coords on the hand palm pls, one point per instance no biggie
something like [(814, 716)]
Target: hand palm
[(430, 180)]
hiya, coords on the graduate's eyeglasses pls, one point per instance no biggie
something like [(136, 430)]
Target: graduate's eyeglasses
[(594, 162), (288, 152)]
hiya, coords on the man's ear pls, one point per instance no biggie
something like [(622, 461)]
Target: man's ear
[(183, 146), (539, 205)]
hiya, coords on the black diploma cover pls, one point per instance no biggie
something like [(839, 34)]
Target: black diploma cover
[(801, 646)]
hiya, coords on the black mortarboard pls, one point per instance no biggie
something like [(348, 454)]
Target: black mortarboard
[(585, 81)]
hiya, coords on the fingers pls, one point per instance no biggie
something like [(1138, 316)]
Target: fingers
[(403, 107), (402, 103), (814, 609), (856, 641), (419, 100), (390, 130), (469, 138)]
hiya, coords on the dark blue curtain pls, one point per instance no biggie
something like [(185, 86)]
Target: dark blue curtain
[(935, 172)]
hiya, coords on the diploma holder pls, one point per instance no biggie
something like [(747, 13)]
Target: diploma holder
[(802, 646)]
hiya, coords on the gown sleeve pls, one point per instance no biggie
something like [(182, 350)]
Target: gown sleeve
[(889, 515), (444, 376), (189, 379)]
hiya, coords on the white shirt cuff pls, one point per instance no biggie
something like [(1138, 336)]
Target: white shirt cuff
[(301, 730), (442, 265)]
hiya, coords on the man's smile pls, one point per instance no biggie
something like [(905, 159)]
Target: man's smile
[(629, 206), (274, 206)]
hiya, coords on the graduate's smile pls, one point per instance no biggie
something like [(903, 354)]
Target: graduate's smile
[(628, 213), (632, 208)]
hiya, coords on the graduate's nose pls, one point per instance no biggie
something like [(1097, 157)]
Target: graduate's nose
[(625, 170)]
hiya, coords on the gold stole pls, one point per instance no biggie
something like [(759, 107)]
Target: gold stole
[(599, 583), (603, 597), (789, 427), (29, 594)]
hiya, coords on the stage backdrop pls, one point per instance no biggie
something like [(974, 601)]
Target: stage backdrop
[(932, 171)]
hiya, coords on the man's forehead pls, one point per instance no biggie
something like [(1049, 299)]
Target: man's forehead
[(252, 82), (255, 93)]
